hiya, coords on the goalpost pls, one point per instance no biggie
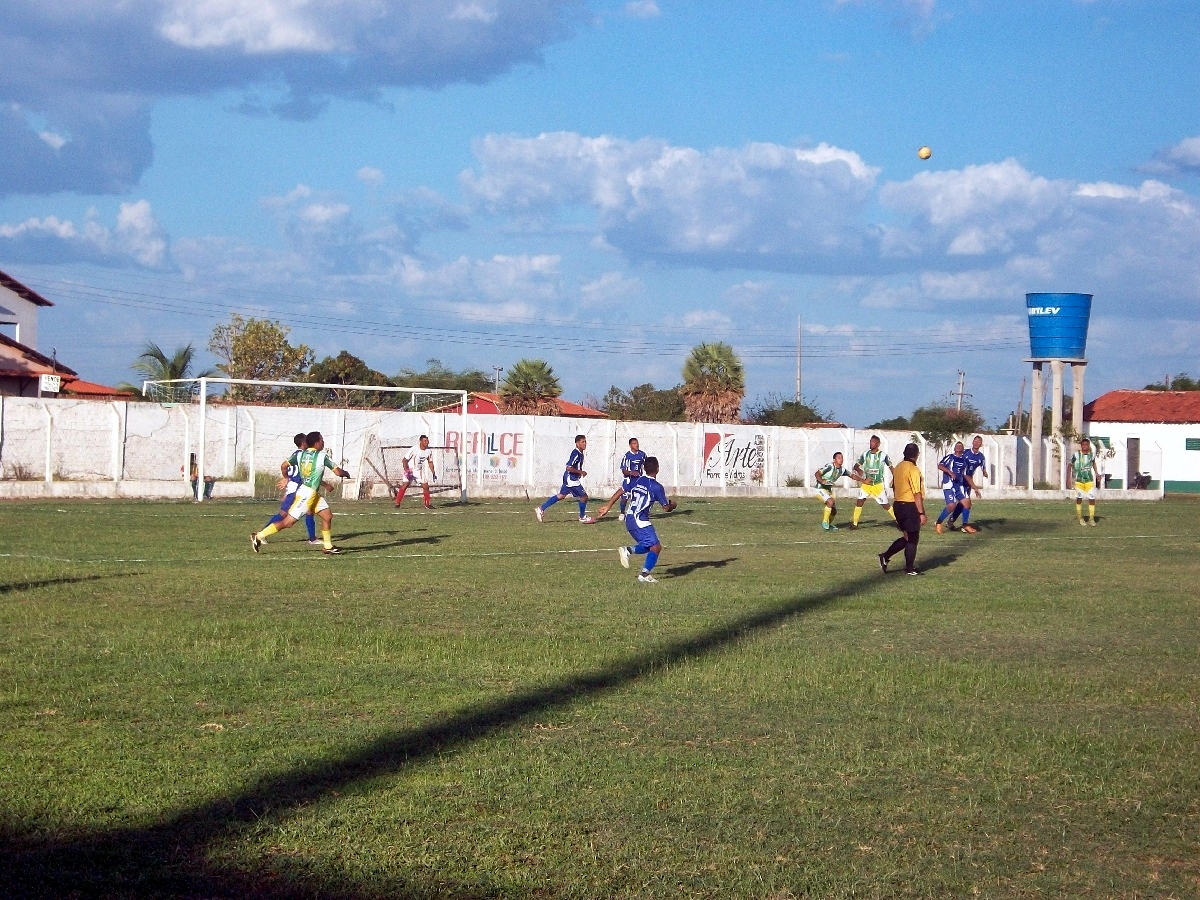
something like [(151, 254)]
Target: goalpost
[(174, 392)]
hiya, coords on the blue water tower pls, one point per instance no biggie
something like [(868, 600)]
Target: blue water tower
[(1058, 325)]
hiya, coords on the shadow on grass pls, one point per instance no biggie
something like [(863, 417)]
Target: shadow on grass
[(402, 542), (167, 858), (688, 568), (49, 582)]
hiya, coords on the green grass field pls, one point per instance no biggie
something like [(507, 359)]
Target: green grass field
[(469, 704)]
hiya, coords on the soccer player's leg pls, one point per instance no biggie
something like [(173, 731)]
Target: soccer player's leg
[(425, 496), (647, 543), (550, 501), (1079, 494), (1086, 491), (322, 511), (582, 497)]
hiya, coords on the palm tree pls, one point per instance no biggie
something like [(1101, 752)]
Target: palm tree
[(155, 365), (714, 384), (530, 388)]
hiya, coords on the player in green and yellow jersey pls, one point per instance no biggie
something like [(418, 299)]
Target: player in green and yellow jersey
[(827, 476), (871, 465), (312, 463), (1083, 470)]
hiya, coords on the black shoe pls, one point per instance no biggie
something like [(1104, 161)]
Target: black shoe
[(330, 551), (883, 563), (911, 572)]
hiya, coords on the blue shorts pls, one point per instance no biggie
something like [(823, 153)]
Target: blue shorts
[(289, 498), (954, 492), (570, 490), (647, 536)]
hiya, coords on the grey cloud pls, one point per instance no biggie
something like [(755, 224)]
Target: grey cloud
[(92, 70)]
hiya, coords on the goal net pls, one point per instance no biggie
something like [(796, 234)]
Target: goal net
[(381, 470)]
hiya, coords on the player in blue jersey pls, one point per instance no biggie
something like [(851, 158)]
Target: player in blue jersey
[(975, 462), (572, 484), (645, 492), (289, 480), (631, 469), (954, 486)]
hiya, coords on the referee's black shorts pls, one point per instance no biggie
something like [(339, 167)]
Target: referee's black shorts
[(907, 517)]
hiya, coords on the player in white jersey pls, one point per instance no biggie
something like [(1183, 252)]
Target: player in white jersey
[(418, 466)]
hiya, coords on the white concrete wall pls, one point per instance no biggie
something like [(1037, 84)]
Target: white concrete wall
[(1163, 449), (141, 449)]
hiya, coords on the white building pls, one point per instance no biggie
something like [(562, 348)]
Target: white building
[(1147, 433)]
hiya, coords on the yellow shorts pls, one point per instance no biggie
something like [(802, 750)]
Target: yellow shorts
[(876, 492), (307, 502), (1085, 490), (825, 493)]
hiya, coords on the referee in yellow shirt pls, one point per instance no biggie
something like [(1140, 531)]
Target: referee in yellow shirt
[(908, 488)]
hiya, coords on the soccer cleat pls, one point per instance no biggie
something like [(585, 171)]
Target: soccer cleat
[(883, 563), (970, 529), (1083, 523), (911, 572), (539, 512), (623, 552), (621, 517), (647, 578), (255, 543), (832, 527), (825, 525), (330, 551), (428, 506), (938, 528), (1092, 522), (853, 527), (316, 542), (586, 520)]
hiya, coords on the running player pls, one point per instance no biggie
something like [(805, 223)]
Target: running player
[(644, 493), (572, 484), (975, 462), (1083, 468), (418, 466), (954, 487), (631, 470), (289, 480), (827, 476), (313, 461), (870, 465)]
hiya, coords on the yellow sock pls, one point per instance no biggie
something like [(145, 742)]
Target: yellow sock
[(828, 513), (891, 512), (1092, 511), (267, 532), (327, 538), (857, 514), (1079, 511)]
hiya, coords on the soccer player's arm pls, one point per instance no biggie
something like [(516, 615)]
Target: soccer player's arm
[(918, 491), (661, 497), (432, 470), (337, 470)]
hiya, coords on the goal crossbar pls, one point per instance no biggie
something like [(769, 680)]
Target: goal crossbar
[(204, 382)]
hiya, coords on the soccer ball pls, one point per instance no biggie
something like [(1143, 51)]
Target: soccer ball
[(924, 153)]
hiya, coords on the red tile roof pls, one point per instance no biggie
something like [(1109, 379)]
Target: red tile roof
[(1173, 407), (80, 388), (20, 290), (19, 361), (483, 403)]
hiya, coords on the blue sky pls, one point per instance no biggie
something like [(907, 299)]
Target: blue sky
[(605, 184)]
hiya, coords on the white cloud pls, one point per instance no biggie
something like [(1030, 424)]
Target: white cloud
[(642, 9), (1181, 159), (762, 204), (136, 240), (370, 176), (609, 291)]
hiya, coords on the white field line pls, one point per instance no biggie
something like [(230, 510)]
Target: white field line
[(290, 555)]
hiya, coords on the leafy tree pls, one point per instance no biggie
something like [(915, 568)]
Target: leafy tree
[(774, 410), (153, 364), (939, 424), (530, 388), (899, 423), (437, 375), (714, 384), (1181, 382), (258, 349), (644, 403), (346, 368)]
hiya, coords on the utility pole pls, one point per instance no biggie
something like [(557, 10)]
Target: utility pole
[(961, 393), (1020, 409), (799, 333), (498, 370)]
